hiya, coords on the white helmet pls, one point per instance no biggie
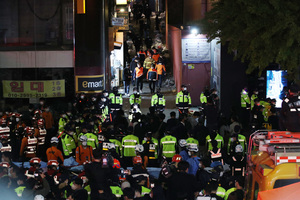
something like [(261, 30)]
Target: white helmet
[(111, 146), (83, 138), (193, 148), (182, 143), (139, 148), (54, 140), (239, 148), (39, 197)]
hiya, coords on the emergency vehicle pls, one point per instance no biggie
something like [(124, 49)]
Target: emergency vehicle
[(273, 161)]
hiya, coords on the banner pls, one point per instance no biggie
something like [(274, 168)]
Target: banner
[(89, 84), (195, 50), (33, 89)]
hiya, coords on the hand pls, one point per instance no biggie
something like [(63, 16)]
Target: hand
[(42, 175)]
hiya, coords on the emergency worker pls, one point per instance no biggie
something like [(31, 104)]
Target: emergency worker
[(253, 97), (84, 152), (238, 161), (115, 100), (193, 160), (128, 143), (29, 144), (236, 139), (152, 78), (63, 120), (158, 101), (183, 100), (216, 153), (40, 134), (53, 153), (216, 136), (161, 72), (138, 76), (135, 98), (245, 107), (68, 142), (184, 151), (168, 146), (150, 150), (4, 129)]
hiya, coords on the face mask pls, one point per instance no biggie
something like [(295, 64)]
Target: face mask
[(41, 102), (30, 110), (103, 99), (84, 143), (92, 123), (17, 119), (93, 99), (77, 120), (184, 89), (68, 113), (105, 94), (231, 139), (71, 133), (200, 165), (81, 97), (189, 153), (47, 109), (63, 116)]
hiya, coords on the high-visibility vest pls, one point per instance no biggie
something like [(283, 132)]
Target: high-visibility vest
[(115, 99), (183, 98), (118, 145), (139, 72), (244, 99), (228, 192), (192, 141), (158, 100), (253, 97), (92, 140), (42, 136), (135, 98), (19, 190), (128, 143), (117, 191), (160, 69), (218, 138), (145, 191), (221, 192), (168, 146), (31, 145), (68, 144), (203, 98), (61, 124), (242, 140)]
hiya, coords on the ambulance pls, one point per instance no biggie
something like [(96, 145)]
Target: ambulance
[(273, 161)]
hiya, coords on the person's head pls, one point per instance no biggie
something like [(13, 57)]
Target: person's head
[(183, 88), (6, 157), (183, 166), (294, 90), (83, 140), (54, 141), (237, 129), (255, 91), (52, 165), (97, 154), (139, 65), (192, 150), (214, 143), (182, 143), (77, 184), (115, 90), (239, 182), (173, 114)]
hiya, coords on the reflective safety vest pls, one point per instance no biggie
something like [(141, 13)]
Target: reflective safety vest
[(138, 72), (135, 98), (68, 144), (192, 142), (92, 140), (5, 148), (118, 145), (221, 192), (117, 191), (31, 146), (145, 191), (182, 98), (203, 98), (128, 143), (218, 138), (158, 100), (61, 124), (244, 99), (242, 140), (19, 190), (228, 192), (253, 97), (168, 146), (115, 99), (42, 136), (88, 189), (5, 132)]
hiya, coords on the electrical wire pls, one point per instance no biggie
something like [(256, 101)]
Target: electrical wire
[(42, 18)]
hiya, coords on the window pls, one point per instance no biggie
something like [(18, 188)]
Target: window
[(283, 182)]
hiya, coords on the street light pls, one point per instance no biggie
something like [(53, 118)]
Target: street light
[(194, 31)]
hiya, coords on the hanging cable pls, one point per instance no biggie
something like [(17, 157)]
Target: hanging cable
[(42, 18)]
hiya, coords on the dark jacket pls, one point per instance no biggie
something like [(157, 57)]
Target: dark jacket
[(126, 74)]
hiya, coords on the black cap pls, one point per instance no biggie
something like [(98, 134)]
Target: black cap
[(78, 181)]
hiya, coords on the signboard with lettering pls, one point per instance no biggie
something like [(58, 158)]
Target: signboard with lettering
[(195, 50), (89, 84), (117, 21), (33, 89)]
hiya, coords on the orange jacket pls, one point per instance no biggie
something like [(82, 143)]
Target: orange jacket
[(54, 153), (156, 57), (49, 121), (84, 154), (138, 72), (24, 145), (160, 68)]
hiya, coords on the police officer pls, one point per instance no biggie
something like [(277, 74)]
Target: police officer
[(245, 106), (152, 78), (115, 100), (253, 97), (236, 139), (128, 143), (135, 98), (183, 100), (238, 161), (158, 101), (68, 142), (216, 153), (216, 136), (168, 146), (290, 109)]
